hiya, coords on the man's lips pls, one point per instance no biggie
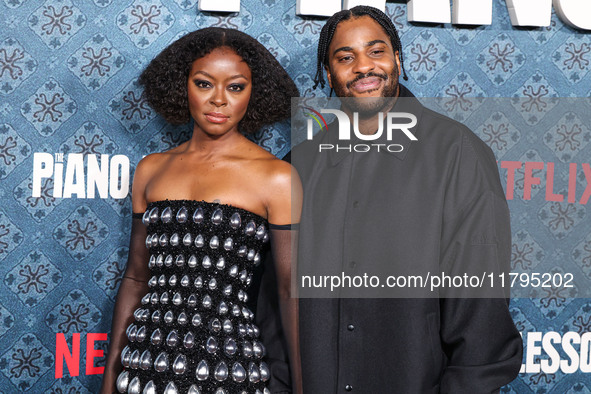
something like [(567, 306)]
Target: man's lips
[(366, 84), (216, 117)]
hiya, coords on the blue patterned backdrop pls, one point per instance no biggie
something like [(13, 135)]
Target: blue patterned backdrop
[(68, 71)]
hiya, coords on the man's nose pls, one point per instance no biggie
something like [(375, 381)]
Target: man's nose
[(363, 64)]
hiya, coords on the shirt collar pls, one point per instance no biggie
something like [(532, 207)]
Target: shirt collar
[(409, 103)]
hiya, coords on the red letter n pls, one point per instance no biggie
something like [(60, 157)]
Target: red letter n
[(62, 353)]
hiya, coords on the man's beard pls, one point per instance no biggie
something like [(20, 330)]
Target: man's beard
[(368, 106)]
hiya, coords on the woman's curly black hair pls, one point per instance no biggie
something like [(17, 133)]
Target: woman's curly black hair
[(165, 78)]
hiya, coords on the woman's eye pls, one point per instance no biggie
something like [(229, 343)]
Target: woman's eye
[(377, 51), (236, 87), (201, 83)]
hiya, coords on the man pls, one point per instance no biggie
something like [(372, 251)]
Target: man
[(425, 206)]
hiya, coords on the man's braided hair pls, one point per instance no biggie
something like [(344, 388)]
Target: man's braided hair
[(331, 25)]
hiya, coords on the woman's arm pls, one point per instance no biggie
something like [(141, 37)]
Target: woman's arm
[(134, 283), (284, 208)]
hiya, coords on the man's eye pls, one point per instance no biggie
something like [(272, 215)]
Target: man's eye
[(236, 87), (345, 58)]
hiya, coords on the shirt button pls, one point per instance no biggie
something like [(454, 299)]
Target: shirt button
[(350, 327), (355, 204), (349, 387)]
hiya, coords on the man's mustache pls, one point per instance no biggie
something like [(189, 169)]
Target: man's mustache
[(369, 74)]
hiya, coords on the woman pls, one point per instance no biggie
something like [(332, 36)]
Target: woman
[(203, 212)]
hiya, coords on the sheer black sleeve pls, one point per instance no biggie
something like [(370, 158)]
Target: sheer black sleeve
[(134, 285), (283, 247)]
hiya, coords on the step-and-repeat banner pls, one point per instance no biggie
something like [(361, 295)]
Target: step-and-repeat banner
[(74, 124)]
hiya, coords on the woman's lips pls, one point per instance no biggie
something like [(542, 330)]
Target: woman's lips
[(216, 117), (367, 84)]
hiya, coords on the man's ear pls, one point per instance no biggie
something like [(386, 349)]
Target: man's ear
[(328, 74), (397, 60)]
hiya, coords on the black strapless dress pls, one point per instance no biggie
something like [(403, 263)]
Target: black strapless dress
[(193, 332)]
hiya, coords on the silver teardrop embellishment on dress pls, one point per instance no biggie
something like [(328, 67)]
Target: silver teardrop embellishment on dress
[(175, 239), (221, 390), (243, 275), (229, 244), (156, 337), (172, 339), (168, 317), (235, 220), (162, 280), (247, 349), (202, 371), (182, 319), (198, 215), (171, 388), (146, 218), (180, 260), (214, 242), (253, 373), (193, 389), (217, 216), (141, 334), (153, 282), (131, 332), (233, 272), (199, 241), (164, 298), (187, 239), (230, 346), (156, 316), (213, 283), (227, 325), (258, 349), (265, 372), (242, 251), (148, 242), (192, 263), (166, 215), (168, 261), (241, 329), (235, 310), (238, 372), (150, 388), (221, 264), (250, 228), (215, 325), (160, 260), (154, 298), (146, 360), (154, 215), (146, 299), (163, 240), (266, 237), (211, 345), (125, 356), (227, 290), (260, 232), (177, 299), (123, 381), (161, 362), (179, 366), (250, 255), (206, 262), (223, 308), (196, 320), (182, 215), (189, 340), (198, 282), (172, 280), (185, 281), (221, 372), (152, 262), (134, 386), (257, 259), (192, 300)]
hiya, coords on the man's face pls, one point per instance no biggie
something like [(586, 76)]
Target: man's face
[(363, 64)]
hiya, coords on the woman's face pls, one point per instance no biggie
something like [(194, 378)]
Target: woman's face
[(219, 88)]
